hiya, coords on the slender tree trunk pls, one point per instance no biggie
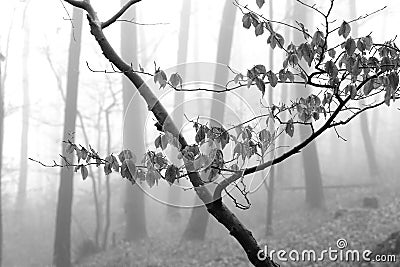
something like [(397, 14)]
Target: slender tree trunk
[(197, 226), (377, 113), (369, 147), (269, 183), (312, 172), (62, 243), (270, 202), (23, 167), (82, 124), (374, 130), (271, 176), (174, 192), (108, 189), (98, 146), (97, 185), (373, 166), (107, 112), (133, 138), (281, 173), (97, 205), (1, 157)]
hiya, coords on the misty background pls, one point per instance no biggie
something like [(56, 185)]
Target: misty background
[(34, 38)]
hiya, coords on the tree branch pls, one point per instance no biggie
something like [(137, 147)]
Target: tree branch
[(224, 184), (80, 4), (343, 122), (215, 208), (118, 14)]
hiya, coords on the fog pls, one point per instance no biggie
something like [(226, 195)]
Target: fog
[(62, 93)]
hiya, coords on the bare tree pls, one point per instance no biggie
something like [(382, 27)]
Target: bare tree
[(197, 226), (2, 58), (311, 166), (3, 75), (174, 193), (270, 180), (370, 152), (339, 97), (23, 167), (134, 207), (107, 215), (62, 243), (95, 190)]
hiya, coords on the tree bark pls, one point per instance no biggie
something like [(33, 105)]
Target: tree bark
[(62, 243), (85, 135), (197, 226), (312, 172), (135, 228), (271, 177), (369, 147), (174, 193), (95, 186), (23, 166), (270, 203), (108, 186), (1, 157), (216, 208), (370, 152)]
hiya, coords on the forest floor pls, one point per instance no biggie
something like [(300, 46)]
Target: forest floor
[(295, 228)]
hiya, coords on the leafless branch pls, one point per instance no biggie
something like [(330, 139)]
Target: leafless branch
[(118, 14), (355, 114), (338, 135), (141, 24), (361, 17), (312, 7)]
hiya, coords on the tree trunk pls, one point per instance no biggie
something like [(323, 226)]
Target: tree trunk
[(281, 172), (1, 157), (364, 125), (96, 185), (62, 243), (270, 202), (135, 228), (216, 208), (174, 192), (271, 176), (23, 168), (312, 172), (374, 131), (369, 147), (198, 221), (85, 135), (96, 195), (108, 189)]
